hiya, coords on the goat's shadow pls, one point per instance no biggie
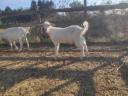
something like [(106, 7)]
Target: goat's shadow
[(85, 78), (124, 68)]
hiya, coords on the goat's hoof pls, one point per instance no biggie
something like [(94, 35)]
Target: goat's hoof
[(16, 49), (87, 52), (11, 49), (82, 57), (56, 57), (29, 49), (20, 50)]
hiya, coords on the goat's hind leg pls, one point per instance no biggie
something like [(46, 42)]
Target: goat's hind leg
[(57, 46), (27, 43), (79, 45)]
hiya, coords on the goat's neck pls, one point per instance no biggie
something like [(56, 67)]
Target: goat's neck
[(49, 29), (85, 28)]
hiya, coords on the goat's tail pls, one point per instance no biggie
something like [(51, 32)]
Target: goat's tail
[(85, 29)]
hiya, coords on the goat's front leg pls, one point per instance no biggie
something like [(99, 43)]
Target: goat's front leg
[(10, 43), (83, 42), (82, 52), (21, 44), (27, 43), (57, 49)]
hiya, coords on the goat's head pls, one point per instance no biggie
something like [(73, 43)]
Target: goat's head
[(46, 24), (85, 24), (28, 29)]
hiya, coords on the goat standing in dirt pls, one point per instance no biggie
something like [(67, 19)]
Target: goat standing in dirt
[(69, 35), (14, 35)]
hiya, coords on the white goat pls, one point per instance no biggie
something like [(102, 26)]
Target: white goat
[(69, 35), (14, 35)]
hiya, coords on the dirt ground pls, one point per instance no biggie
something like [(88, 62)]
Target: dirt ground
[(31, 73)]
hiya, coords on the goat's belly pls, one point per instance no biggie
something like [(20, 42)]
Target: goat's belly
[(64, 40), (13, 36)]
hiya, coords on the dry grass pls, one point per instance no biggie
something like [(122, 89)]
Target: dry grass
[(29, 73), (1, 30)]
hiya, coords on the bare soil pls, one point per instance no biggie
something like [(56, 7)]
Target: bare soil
[(36, 72)]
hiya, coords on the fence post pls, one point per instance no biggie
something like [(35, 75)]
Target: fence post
[(85, 5), (41, 29), (39, 21)]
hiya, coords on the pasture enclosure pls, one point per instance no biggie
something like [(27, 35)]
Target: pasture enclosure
[(108, 22), (36, 72)]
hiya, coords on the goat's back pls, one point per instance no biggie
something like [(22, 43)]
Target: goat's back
[(65, 35), (14, 33)]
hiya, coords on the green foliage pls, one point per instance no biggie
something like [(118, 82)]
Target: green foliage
[(8, 10), (98, 25), (41, 4), (103, 26), (15, 19)]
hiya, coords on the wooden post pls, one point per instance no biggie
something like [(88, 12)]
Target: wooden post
[(40, 29), (85, 5), (39, 22)]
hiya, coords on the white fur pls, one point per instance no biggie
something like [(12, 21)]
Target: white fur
[(14, 35), (69, 35)]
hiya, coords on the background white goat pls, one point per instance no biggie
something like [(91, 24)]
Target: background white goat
[(69, 35), (15, 35)]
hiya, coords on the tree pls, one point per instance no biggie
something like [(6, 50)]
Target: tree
[(75, 16), (8, 9), (49, 4), (0, 11), (45, 4), (33, 5), (39, 4), (6, 20), (76, 4)]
